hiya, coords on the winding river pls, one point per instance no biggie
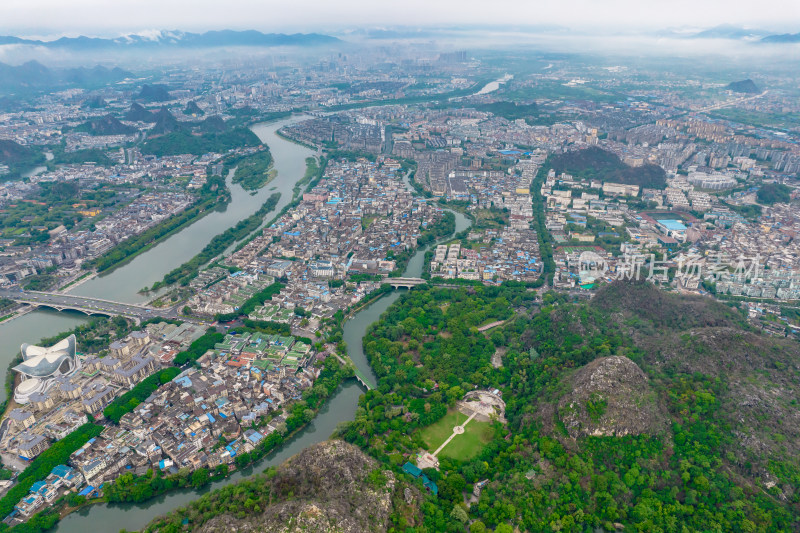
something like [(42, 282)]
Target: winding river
[(356, 326), (123, 285)]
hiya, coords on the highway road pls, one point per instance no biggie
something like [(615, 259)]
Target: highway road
[(729, 103)]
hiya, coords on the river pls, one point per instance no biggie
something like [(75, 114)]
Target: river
[(341, 407), (124, 283), (290, 163), (494, 85)]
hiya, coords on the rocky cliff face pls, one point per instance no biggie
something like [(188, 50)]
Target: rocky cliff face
[(610, 396), (330, 487)]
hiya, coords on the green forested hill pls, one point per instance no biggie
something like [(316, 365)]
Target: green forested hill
[(106, 125), (641, 409), (596, 163), (182, 142), (18, 157)]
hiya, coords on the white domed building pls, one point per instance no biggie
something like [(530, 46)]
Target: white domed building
[(40, 367)]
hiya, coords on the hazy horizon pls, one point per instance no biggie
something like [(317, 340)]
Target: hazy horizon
[(54, 18)]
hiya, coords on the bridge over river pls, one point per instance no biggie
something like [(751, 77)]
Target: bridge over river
[(404, 282), (85, 304)]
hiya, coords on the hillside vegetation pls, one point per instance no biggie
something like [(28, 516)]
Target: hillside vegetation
[(183, 142), (744, 86), (640, 410), (19, 158), (106, 125), (772, 193), (154, 93), (599, 164), (193, 109), (137, 113), (253, 171), (510, 110), (725, 455)]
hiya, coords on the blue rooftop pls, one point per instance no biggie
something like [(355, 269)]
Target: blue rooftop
[(61, 470), (673, 225)]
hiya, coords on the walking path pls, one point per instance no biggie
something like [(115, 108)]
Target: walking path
[(458, 430), (492, 325)]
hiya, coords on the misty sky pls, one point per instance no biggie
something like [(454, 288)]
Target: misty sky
[(112, 17)]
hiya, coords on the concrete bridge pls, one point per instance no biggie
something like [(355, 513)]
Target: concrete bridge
[(404, 282), (90, 306)]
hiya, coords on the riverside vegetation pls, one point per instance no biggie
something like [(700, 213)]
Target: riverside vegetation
[(252, 171), (190, 269), (212, 194)]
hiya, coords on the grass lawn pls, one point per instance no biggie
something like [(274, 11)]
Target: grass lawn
[(464, 446)]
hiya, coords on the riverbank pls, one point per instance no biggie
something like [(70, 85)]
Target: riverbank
[(217, 246), (78, 281), (122, 284), (355, 322), (311, 177), (295, 141), (13, 379), (368, 300), (22, 311), (131, 248), (252, 171)]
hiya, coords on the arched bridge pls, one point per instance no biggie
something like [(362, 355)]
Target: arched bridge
[(405, 282), (84, 304)]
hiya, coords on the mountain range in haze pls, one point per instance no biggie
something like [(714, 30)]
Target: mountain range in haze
[(736, 33), (32, 75), (175, 39), (782, 38), (178, 39)]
